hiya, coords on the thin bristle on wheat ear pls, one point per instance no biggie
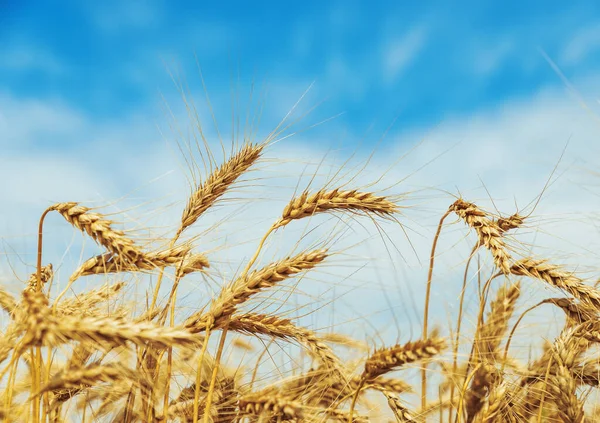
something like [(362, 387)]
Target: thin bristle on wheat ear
[(488, 232), (322, 201), (555, 276), (576, 312), (179, 257), (207, 193), (388, 359), (86, 303), (242, 289), (100, 229), (273, 326)]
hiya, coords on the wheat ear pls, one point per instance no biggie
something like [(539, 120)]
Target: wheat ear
[(99, 229), (488, 232), (207, 193), (353, 201), (555, 276), (240, 290)]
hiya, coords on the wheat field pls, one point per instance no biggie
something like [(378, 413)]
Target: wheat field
[(92, 355)]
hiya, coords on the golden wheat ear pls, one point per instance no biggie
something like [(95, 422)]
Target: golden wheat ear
[(243, 288), (488, 231), (99, 229), (322, 201), (218, 182), (387, 359)]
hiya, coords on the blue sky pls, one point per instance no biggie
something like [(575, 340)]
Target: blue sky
[(373, 60), (81, 86)]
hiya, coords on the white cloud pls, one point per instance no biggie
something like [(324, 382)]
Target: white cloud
[(25, 121), (401, 52), (584, 43)]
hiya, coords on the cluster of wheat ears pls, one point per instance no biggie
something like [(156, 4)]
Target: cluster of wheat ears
[(69, 356)]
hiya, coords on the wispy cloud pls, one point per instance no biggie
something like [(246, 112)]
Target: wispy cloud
[(28, 56), (487, 59), (401, 52), (584, 43)]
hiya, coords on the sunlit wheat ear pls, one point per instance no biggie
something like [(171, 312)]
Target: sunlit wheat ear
[(589, 330), (175, 257), (217, 183), (493, 330), (43, 328), (401, 413), (240, 290), (100, 229), (576, 313), (563, 390), (81, 377), (281, 408), (495, 408), (86, 303), (322, 201), (488, 232), (9, 339), (567, 349), (555, 276), (7, 301), (273, 326), (509, 223), (46, 274), (388, 359), (486, 344)]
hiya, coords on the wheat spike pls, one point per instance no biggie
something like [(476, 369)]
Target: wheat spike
[(388, 359), (555, 276), (240, 290), (261, 324), (354, 201), (490, 236), (99, 229), (207, 193), (43, 328)]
